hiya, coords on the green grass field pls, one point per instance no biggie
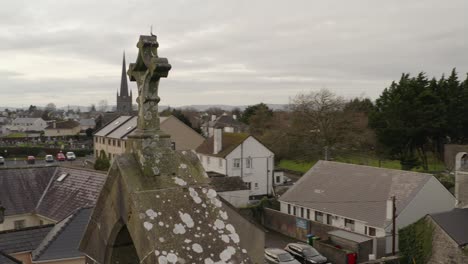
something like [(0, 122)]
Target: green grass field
[(301, 166)]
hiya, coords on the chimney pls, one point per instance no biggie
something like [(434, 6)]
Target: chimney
[(213, 117), (217, 140), (389, 209)]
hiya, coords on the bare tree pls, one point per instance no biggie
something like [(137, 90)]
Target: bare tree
[(319, 117), (102, 106)]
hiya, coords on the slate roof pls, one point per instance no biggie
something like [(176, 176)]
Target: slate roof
[(229, 142), (121, 127), (354, 191), (20, 181), (79, 188), (87, 122), (23, 240), (45, 195), (454, 223), (63, 240), (69, 124), (226, 121), (6, 259), (228, 184), (25, 120)]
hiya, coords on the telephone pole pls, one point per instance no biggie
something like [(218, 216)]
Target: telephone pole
[(394, 225)]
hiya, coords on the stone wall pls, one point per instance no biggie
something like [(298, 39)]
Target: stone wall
[(333, 254), (444, 249), (288, 225)]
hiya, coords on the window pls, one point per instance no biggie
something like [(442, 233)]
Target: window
[(236, 163), (96, 139), (308, 213), (256, 185), (349, 224), (371, 231), (302, 212), (289, 209), (118, 143), (249, 185), (220, 163), (329, 219), (19, 224), (113, 142), (207, 160), (278, 179), (173, 145), (248, 162), (294, 210), (319, 216)]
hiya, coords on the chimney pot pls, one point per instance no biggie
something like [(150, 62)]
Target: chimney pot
[(217, 140)]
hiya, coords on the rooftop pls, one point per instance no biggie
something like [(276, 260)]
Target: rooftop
[(23, 240), (355, 191), (64, 238), (63, 125), (229, 142), (454, 223)]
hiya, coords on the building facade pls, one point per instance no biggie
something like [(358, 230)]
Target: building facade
[(239, 155), (112, 138), (359, 198)]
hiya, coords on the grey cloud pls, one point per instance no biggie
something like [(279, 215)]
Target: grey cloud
[(222, 51)]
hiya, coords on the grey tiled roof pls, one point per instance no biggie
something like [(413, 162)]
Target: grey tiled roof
[(122, 127), (45, 195), (227, 184), (23, 240), (78, 189), (63, 240), (454, 223), (354, 191), (6, 259), (18, 182)]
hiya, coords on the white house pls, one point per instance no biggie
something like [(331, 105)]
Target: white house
[(359, 198), (27, 124), (225, 122), (242, 155)]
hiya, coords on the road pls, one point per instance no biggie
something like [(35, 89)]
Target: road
[(20, 163)]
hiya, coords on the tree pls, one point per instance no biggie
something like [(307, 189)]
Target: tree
[(407, 117), (89, 132), (102, 105), (363, 105), (32, 108), (252, 109), (50, 107), (260, 121), (318, 118), (102, 162), (92, 108)]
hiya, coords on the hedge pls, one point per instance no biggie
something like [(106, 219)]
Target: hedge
[(40, 151), (415, 242)]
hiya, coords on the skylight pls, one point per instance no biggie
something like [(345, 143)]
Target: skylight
[(62, 176)]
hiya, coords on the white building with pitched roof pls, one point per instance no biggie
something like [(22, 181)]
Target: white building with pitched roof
[(358, 198)]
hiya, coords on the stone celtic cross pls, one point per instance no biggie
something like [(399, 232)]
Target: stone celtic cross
[(148, 141)]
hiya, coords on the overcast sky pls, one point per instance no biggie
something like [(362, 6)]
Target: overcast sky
[(225, 52)]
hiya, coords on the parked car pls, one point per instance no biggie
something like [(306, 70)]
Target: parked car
[(49, 158), (71, 156), (305, 253), (279, 256), (31, 160), (2, 160), (60, 156)]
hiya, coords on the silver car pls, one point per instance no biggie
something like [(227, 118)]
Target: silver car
[(2, 160), (279, 256)]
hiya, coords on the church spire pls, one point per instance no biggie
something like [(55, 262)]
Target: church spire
[(123, 82)]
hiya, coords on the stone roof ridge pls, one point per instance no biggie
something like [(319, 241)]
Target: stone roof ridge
[(55, 232), (46, 189)]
